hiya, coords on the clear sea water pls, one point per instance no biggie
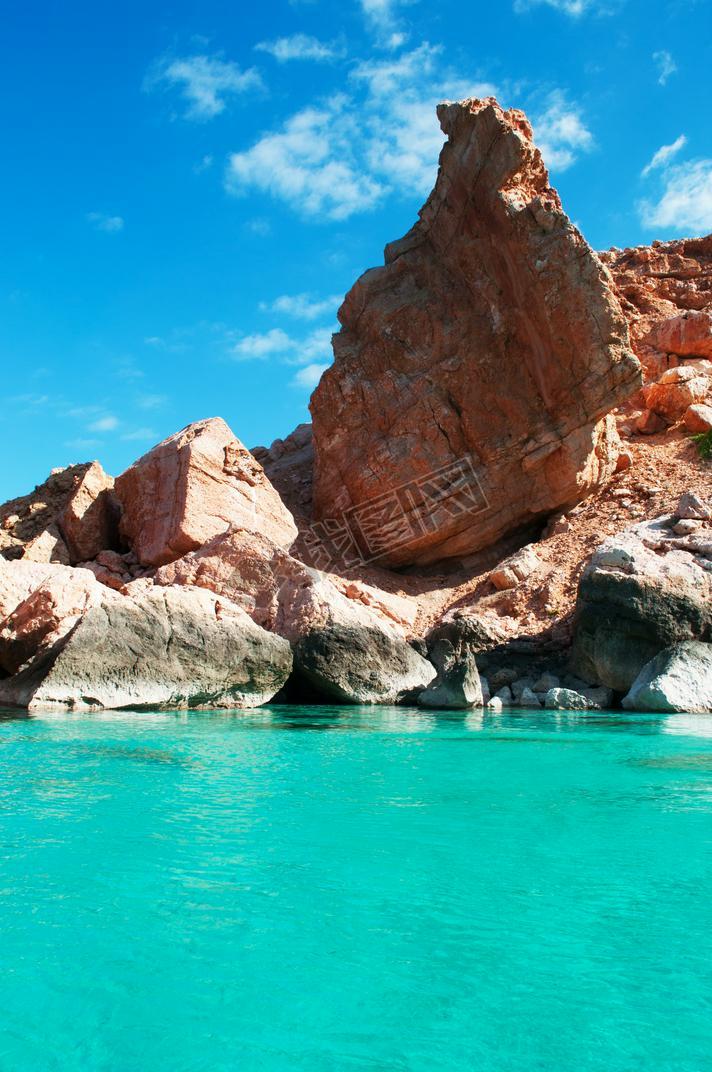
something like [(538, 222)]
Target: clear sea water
[(350, 889)]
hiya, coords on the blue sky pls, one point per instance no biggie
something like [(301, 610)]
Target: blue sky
[(190, 188)]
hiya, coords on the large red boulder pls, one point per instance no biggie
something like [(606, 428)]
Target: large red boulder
[(473, 371), (193, 487)]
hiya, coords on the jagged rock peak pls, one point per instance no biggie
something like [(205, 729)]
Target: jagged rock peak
[(473, 371)]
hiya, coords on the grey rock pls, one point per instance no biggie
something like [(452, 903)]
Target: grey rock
[(639, 594), (520, 685), (457, 686), (529, 698), (361, 665), (565, 700), (677, 679), (504, 696), (692, 507), (169, 648)]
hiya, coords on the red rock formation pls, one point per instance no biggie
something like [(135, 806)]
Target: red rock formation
[(473, 371), (666, 293), (194, 486), (71, 517)]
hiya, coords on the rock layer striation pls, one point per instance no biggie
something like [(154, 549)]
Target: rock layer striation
[(472, 372)]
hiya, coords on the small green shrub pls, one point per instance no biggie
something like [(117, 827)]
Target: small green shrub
[(704, 443)]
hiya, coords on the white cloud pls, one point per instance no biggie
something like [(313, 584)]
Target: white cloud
[(381, 15), (316, 345), (204, 164), (104, 424), (264, 344), (301, 47), (205, 82), (345, 155), (109, 224), (574, 8), (302, 306), (259, 226), (560, 133), (686, 201), (666, 65), (290, 350), (664, 155), (310, 163), (309, 376)]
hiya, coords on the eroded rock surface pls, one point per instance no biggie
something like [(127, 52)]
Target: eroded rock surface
[(362, 666), (193, 487), (168, 648), (678, 679), (491, 335), (72, 516), (666, 292), (643, 590)]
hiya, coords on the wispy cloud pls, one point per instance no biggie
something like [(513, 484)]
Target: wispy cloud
[(382, 19), (685, 204), (666, 65), (278, 344), (346, 154), (100, 221), (560, 133), (575, 8), (309, 376), (310, 163), (263, 344), (664, 155), (104, 424), (150, 402), (204, 164), (302, 47), (302, 306), (205, 82)]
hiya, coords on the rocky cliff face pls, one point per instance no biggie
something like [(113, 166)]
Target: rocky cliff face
[(666, 293), (474, 371)]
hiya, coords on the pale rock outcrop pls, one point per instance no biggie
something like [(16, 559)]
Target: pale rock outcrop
[(71, 517), (282, 594), (50, 609), (687, 335), (315, 612), (643, 590), (194, 486), (518, 567), (678, 389), (698, 418), (678, 679), (474, 371), (169, 648)]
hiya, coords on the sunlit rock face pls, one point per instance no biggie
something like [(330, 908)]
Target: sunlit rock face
[(472, 372)]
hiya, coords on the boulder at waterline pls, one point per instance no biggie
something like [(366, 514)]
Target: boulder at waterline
[(678, 679), (642, 590), (361, 666), (457, 685), (472, 373), (194, 486), (167, 648)]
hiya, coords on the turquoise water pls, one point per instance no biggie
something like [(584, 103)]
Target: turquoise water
[(350, 889)]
